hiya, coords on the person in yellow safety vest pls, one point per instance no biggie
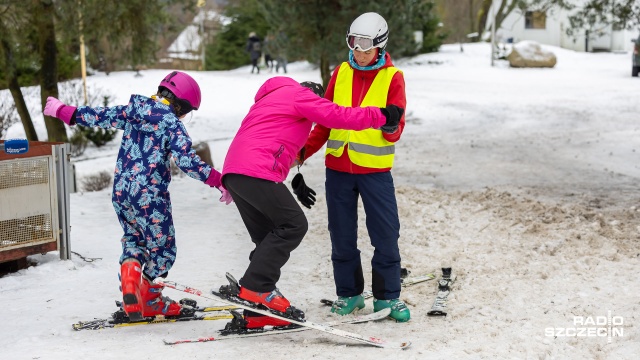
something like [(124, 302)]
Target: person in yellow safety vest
[(358, 164)]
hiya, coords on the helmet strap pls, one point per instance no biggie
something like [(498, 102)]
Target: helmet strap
[(377, 65)]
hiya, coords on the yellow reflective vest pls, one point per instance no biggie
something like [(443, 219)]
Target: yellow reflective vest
[(367, 148)]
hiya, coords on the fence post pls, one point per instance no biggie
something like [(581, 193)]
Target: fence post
[(63, 182)]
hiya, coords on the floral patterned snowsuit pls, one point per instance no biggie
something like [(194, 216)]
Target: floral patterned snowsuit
[(152, 135)]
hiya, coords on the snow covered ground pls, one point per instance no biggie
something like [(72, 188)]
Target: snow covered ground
[(525, 181)]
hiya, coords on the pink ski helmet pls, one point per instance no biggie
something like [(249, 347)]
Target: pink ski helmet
[(181, 87)]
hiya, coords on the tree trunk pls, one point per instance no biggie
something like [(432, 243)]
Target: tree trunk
[(505, 8), (21, 107), (14, 86), (43, 16), (482, 17), (325, 71), (472, 19)]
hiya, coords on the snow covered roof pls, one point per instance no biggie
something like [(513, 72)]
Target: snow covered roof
[(187, 44)]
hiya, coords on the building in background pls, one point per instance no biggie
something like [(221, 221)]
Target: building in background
[(185, 52), (550, 28), (460, 19)]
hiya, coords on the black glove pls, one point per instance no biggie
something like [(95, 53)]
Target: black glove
[(304, 193), (393, 115)]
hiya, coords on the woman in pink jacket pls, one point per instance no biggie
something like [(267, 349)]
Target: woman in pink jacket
[(257, 163)]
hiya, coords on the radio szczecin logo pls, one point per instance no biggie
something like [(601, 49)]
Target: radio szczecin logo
[(590, 326)]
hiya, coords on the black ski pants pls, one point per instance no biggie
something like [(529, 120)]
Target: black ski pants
[(276, 225)]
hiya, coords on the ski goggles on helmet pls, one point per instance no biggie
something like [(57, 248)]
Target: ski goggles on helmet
[(356, 42), (366, 43)]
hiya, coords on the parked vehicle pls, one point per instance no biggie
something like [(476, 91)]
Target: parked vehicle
[(635, 67)]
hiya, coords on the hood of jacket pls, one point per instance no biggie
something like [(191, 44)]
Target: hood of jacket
[(272, 85), (272, 133), (149, 114)]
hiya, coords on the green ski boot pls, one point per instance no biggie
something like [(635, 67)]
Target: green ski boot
[(347, 304), (399, 310)]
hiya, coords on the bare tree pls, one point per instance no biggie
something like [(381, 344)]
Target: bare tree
[(11, 75), (502, 9), (129, 28), (43, 18)]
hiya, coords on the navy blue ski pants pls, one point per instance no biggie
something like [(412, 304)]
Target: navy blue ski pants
[(378, 197)]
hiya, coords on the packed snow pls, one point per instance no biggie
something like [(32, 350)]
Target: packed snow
[(524, 181)]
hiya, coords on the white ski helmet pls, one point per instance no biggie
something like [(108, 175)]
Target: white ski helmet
[(367, 31)]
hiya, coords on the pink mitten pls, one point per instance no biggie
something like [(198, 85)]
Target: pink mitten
[(52, 106), (58, 109), (226, 196)]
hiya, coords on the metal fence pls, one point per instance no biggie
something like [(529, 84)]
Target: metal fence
[(34, 201)]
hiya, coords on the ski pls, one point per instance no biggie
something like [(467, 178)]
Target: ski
[(294, 317), (193, 312), (275, 330), (405, 282), (439, 307)]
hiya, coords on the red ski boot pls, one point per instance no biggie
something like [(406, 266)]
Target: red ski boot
[(153, 301), (273, 300), (130, 275), (255, 320)]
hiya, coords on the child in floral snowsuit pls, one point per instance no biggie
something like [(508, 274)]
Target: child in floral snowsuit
[(153, 133)]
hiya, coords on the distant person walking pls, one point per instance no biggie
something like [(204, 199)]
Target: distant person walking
[(267, 47), (254, 48), (279, 49)]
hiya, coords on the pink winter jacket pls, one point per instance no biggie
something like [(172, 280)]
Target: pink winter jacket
[(278, 125)]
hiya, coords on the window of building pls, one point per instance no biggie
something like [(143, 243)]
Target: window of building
[(535, 20)]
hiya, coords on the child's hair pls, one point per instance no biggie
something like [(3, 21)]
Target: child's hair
[(182, 91), (315, 87), (181, 107)]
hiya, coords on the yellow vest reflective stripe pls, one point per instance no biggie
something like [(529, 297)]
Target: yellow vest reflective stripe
[(367, 148)]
